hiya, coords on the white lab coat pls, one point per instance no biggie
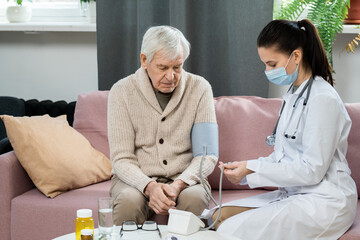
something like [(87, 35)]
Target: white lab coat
[(317, 198)]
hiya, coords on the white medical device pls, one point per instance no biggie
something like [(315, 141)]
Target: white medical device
[(183, 222)]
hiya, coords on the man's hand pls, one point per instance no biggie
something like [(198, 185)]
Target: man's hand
[(235, 171), (158, 199), (174, 189)]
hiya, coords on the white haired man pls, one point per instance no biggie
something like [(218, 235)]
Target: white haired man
[(159, 119)]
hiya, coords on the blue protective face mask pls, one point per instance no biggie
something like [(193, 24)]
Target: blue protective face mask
[(279, 76)]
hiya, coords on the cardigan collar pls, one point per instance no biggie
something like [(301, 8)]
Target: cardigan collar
[(144, 84)]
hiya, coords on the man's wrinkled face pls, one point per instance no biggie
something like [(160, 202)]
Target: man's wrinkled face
[(164, 74)]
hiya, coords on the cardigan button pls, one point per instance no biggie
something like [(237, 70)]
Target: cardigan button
[(164, 162), (163, 119), (161, 141)]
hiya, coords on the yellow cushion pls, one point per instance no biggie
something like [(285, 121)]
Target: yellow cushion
[(56, 157)]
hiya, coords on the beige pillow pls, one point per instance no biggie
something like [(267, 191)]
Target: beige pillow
[(56, 157)]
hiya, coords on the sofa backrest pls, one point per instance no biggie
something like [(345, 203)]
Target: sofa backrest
[(353, 153), (90, 119), (244, 122)]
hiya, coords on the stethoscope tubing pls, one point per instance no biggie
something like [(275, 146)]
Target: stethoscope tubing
[(270, 140)]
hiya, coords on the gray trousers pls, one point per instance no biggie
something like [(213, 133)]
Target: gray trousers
[(131, 204)]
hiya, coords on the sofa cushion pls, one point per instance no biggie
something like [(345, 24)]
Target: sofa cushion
[(46, 218), (91, 119), (56, 157), (353, 153), (231, 195), (244, 122)]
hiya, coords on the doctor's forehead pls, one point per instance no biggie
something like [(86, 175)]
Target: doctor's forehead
[(267, 54)]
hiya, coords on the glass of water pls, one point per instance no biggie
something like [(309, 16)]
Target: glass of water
[(105, 216)]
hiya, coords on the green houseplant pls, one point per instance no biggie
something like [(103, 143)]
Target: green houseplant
[(327, 15), (18, 2)]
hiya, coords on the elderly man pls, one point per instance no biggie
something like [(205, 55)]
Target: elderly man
[(159, 120)]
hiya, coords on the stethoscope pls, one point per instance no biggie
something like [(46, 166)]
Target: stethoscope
[(270, 140)]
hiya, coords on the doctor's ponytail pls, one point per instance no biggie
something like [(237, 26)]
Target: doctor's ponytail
[(314, 52), (286, 36)]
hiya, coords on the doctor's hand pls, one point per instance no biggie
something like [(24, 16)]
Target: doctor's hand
[(235, 171), (158, 199)]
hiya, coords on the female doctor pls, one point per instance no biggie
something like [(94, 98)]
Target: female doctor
[(317, 197)]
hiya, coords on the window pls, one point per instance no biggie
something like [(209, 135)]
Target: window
[(52, 10)]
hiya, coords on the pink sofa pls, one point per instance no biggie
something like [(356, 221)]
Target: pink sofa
[(244, 122)]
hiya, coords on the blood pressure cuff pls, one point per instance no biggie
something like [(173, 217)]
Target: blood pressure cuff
[(205, 134)]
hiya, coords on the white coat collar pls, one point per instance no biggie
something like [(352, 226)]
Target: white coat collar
[(288, 95)]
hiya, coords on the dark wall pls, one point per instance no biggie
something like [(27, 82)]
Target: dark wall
[(222, 34)]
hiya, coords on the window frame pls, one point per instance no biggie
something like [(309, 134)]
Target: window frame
[(52, 11)]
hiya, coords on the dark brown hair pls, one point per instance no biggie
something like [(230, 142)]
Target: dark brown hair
[(286, 36)]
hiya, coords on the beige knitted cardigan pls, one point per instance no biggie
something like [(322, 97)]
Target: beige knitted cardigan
[(146, 142)]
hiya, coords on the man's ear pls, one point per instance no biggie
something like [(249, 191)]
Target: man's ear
[(143, 60)]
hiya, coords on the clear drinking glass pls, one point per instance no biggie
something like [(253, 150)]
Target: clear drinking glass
[(105, 216)]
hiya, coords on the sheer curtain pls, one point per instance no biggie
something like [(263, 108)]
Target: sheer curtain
[(222, 34)]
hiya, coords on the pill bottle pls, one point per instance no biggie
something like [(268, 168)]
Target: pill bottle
[(87, 234), (84, 220)]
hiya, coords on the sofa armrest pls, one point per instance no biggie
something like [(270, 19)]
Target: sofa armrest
[(13, 182)]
